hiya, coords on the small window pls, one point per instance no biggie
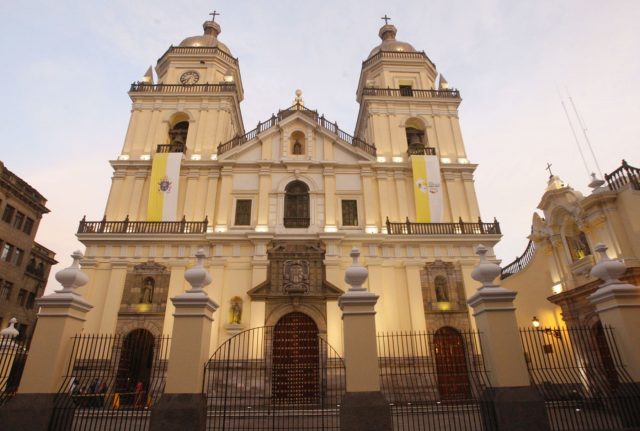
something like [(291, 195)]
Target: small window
[(406, 91), (243, 212), (5, 289), (17, 222), (22, 297), (28, 226), (8, 213), (31, 300), (350, 212), (18, 255), (7, 251)]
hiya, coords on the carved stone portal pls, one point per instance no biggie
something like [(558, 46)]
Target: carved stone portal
[(444, 300), (296, 281)]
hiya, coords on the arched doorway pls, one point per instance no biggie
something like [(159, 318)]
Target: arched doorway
[(135, 366), (607, 365), (451, 364), (295, 375)]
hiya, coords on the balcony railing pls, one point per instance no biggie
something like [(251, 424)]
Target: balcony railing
[(459, 228), (171, 148), (625, 174), (296, 222), (410, 92), (142, 227), (403, 55), (198, 51), (275, 119), (519, 263), (141, 87), (424, 151)]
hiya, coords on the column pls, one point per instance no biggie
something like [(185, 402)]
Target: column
[(183, 401), (364, 407), (330, 224), (263, 199), (225, 200), (517, 406), (62, 315)]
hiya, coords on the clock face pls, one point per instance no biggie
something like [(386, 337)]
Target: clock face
[(190, 77)]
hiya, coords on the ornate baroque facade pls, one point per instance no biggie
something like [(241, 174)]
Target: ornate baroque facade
[(278, 208)]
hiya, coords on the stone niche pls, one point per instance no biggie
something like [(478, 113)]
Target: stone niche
[(443, 296), (296, 281), (144, 298)]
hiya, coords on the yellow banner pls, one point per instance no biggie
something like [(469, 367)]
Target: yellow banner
[(420, 191), (156, 195)]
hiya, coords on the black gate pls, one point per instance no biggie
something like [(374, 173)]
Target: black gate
[(13, 356), (435, 380), (112, 382), (579, 374), (285, 377)]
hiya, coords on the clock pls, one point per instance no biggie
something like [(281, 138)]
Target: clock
[(189, 78)]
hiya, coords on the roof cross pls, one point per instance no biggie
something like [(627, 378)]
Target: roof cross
[(549, 169), (386, 19), (213, 16)]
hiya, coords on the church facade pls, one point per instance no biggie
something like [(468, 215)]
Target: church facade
[(278, 208)]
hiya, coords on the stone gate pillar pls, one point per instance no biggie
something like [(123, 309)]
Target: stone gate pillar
[(517, 406), (61, 316), (183, 404), (364, 407)]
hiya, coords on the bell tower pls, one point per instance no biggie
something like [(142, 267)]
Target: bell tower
[(192, 106), (406, 110)]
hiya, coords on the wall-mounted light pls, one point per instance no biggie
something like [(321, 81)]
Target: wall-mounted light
[(228, 77), (556, 288), (220, 228), (535, 322), (463, 160), (371, 229), (145, 157), (196, 157), (397, 159), (262, 228), (214, 157), (445, 160), (123, 157), (330, 228), (381, 159)]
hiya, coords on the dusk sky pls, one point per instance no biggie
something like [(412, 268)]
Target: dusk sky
[(67, 67)]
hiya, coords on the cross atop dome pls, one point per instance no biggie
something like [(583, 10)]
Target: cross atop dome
[(214, 14), (386, 19)]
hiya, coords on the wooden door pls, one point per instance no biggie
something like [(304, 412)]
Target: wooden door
[(295, 375), (451, 365)]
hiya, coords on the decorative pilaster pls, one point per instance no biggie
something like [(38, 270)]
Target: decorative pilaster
[(364, 407), (183, 401), (62, 315), (517, 405)]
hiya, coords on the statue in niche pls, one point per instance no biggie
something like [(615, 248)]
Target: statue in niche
[(442, 290), (296, 276), (235, 311), (146, 294)]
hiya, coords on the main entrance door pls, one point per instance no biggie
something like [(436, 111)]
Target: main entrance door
[(295, 359), (451, 365)]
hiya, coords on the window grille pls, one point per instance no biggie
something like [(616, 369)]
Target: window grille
[(8, 213), (350, 212), (296, 205), (243, 212)]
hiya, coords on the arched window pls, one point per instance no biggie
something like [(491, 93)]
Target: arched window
[(178, 137), (296, 205)]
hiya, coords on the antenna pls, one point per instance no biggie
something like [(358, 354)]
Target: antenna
[(575, 137), (584, 132)]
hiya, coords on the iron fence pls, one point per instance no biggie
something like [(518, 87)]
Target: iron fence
[(274, 378), (13, 356), (580, 375), (435, 380), (111, 382)]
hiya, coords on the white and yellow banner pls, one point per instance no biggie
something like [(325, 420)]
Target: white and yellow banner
[(164, 187), (427, 188)]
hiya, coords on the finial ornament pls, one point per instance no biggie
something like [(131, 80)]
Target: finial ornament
[(548, 168), (72, 277), (356, 274), (485, 272), (198, 277), (213, 15), (386, 19), (10, 331), (607, 269), (298, 99)]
